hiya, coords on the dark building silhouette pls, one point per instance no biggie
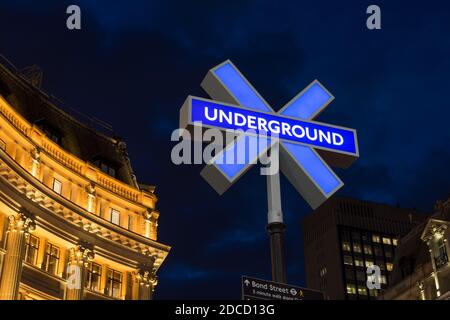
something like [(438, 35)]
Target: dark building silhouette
[(345, 236)]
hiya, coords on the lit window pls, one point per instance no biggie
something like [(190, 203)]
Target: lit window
[(362, 291), (57, 186), (394, 242), (346, 246), (115, 216), (351, 289), (51, 258), (357, 248), (323, 271), (348, 260), (359, 263), (387, 240), (369, 263), (389, 266), (373, 292), (94, 275), (113, 283), (375, 238), (367, 250), (31, 249), (383, 279)]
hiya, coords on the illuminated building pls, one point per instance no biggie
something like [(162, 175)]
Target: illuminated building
[(422, 268), (345, 236), (69, 198)]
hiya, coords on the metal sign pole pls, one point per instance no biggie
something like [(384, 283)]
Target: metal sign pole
[(276, 226)]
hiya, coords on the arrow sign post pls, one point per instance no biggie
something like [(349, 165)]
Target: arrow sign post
[(302, 147)]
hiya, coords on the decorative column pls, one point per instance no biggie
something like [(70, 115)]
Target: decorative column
[(79, 257), (150, 224), (90, 189), (35, 162), (147, 281), (18, 230)]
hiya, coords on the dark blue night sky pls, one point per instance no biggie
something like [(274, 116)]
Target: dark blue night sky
[(134, 62)]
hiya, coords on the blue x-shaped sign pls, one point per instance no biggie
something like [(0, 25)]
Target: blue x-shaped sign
[(306, 147)]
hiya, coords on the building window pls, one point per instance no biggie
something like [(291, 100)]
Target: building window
[(51, 258), (362, 291), (367, 250), (115, 216), (31, 249), (106, 167), (389, 266), (113, 283), (383, 279), (57, 186), (441, 257), (360, 275), (351, 289), (348, 260), (346, 246), (376, 238), (378, 251), (359, 263), (387, 240), (323, 271), (94, 275), (357, 248), (394, 242), (369, 263)]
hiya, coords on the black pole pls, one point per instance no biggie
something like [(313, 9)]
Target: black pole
[(276, 235)]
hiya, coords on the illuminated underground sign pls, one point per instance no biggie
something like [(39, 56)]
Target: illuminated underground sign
[(218, 115), (305, 148)]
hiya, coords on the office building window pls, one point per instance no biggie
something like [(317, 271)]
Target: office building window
[(115, 216), (93, 277), (346, 246), (349, 274), (378, 251), (351, 289), (51, 258), (387, 240), (376, 238), (31, 249), (359, 263), (367, 250), (57, 186), (383, 279), (356, 248), (369, 263), (394, 242), (388, 252), (360, 275), (113, 283), (362, 291), (373, 292), (389, 266), (348, 260)]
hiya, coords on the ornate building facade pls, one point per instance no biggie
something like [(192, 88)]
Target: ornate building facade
[(422, 267), (74, 222)]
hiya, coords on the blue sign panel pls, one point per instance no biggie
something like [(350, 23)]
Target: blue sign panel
[(303, 143), (217, 115)]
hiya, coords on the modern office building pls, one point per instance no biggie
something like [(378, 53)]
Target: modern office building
[(345, 236), (421, 266), (74, 222)]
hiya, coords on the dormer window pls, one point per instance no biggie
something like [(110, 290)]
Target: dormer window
[(106, 166), (50, 131)]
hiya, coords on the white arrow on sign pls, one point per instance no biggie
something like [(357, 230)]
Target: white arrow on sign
[(247, 283)]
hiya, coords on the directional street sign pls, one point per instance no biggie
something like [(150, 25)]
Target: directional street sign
[(257, 289), (306, 147)]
